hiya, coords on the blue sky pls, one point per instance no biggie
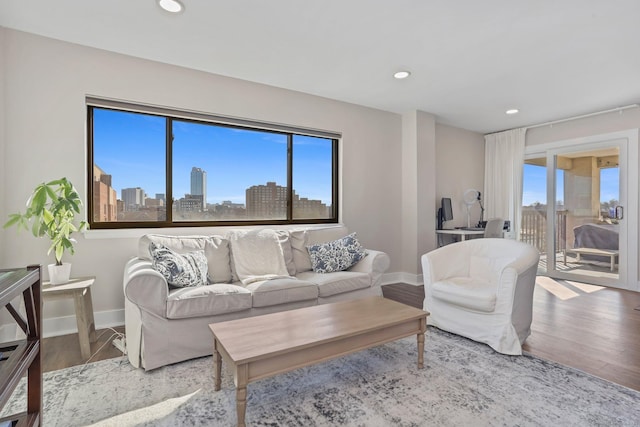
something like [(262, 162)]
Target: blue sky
[(535, 185), (131, 147)]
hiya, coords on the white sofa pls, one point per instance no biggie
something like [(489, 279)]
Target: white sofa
[(482, 289), (165, 325)]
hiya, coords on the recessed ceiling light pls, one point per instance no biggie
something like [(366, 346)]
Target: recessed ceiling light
[(402, 74), (512, 111), (173, 6)]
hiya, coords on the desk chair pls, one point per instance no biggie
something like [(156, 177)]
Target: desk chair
[(494, 228)]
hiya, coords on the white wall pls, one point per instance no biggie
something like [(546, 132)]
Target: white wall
[(4, 315), (595, 125), (46, 82), (3, 166), (418, 191), (459, 167)]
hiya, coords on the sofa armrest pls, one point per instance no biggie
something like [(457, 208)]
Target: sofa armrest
[(145, 287), (376, 263)]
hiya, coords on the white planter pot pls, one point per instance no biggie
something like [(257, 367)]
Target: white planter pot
[(59, 274)]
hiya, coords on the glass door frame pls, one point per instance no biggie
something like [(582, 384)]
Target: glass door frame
[(627, 143)]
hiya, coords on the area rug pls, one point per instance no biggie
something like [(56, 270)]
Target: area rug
[(463, 383)]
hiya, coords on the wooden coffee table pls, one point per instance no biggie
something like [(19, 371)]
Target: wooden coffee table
[(264, 346)]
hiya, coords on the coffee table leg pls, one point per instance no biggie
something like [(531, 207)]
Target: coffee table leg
[(241, 393), (217, 366)]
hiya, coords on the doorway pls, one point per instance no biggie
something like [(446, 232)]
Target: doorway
[(575, 209)]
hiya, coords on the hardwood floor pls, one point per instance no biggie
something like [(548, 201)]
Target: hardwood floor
[(591, 328), (64, 351)]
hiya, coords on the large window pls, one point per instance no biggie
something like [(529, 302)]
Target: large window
[(152, 167)]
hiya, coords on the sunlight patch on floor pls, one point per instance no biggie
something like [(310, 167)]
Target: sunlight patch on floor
[(151, 414), (584, 287), (556, 288)]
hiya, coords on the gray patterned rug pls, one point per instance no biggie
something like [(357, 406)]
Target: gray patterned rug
[(463, 384)]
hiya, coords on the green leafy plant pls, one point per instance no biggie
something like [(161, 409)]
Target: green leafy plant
[(51, 210)]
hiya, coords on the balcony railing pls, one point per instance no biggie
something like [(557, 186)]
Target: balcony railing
[(534, 228)]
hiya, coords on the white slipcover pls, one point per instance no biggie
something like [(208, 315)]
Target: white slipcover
[(482, 289)]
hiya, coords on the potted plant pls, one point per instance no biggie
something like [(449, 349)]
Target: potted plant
[(51, 211)]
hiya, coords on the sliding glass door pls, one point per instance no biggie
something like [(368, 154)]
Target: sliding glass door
[(574, 203)]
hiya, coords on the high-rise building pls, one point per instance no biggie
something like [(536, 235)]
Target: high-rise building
[(199, 185), (104, 197), (270, 202), (133, 198), (266, 201)]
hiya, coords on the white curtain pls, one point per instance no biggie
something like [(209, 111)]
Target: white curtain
[(503, 166)]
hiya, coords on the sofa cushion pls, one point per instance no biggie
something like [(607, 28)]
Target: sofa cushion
[(302, 238), (181, 270), (257, 255), (468, 292), (337, 255), (207, 300), (301, 258), (336, 283), (281, 291), (285, 243), (216, 250)]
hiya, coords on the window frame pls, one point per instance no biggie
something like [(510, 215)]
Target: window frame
[(172, 115)]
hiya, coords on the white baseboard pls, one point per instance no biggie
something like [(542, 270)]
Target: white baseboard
[(55, 326)]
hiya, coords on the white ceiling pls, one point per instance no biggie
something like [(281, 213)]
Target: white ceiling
[(470, 60)]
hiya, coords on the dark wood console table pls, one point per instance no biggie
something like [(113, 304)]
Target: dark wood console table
[(23, 356)]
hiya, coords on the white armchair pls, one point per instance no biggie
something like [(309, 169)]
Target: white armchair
[(482, 289)]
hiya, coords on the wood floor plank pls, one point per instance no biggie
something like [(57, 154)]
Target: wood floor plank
[(596, 331), (64, 351), (591, 328)]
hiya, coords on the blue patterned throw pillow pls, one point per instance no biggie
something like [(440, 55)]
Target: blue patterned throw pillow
[(337, 255), (181, 270)]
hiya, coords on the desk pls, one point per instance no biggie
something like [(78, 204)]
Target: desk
[(80, 290), (461, 232)]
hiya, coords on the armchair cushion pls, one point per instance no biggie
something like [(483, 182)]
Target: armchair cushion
[(487, 268), (471, 293)]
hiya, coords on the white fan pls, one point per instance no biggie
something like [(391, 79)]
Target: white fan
[(470, 197)]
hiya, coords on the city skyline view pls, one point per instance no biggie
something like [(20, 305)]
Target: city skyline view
[(131, 148), (535, 185)]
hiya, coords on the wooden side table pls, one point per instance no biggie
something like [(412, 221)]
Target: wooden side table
[(80, 290)]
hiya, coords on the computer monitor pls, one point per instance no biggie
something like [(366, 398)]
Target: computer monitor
[(447, 210)]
